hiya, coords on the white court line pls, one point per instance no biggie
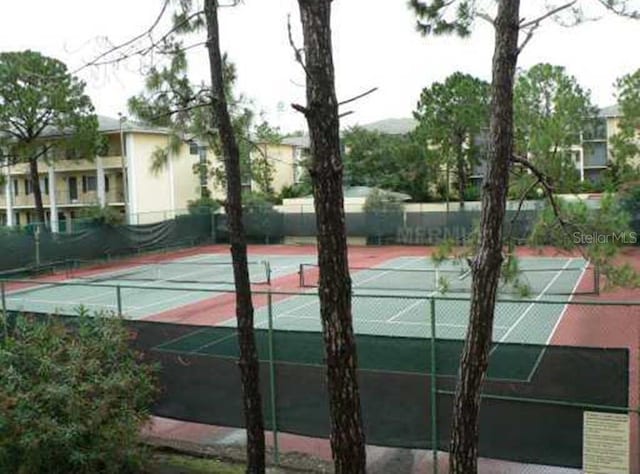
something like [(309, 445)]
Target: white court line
[(184, 336), (373, 277), (143, 285), (405, 310), (555, 326), (383, 321), (25, 303), (532, 304)]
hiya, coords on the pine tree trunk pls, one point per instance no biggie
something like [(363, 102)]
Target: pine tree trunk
[(37, 191), (487, 264), (249, 365), (347, 436)]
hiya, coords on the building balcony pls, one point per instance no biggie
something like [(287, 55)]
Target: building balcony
[(108, 162), (65, 198)]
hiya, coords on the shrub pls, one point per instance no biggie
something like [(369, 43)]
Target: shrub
[(203, 205), (102, 215), (379, 201), (73, 399)]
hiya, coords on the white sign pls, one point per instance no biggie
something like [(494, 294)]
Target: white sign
[(605, 446)]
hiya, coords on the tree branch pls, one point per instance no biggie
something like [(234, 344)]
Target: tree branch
[(130, 41), (360, 96), (536, 22), (548, 188), (533, 25), (621, 10), (300, 108), (296, 51)]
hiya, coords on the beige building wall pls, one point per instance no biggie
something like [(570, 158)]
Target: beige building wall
[(282, 158), (149, 192)]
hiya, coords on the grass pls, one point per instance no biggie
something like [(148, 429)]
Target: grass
[(172, 463)]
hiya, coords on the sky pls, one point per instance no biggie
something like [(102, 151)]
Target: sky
[(375, 45)]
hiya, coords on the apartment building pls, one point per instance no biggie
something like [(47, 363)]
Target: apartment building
[(592, 155), (122, 179)]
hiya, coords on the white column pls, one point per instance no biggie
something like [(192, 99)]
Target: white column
[(8, 192), (581, 163), (172, 184), (131, 181), (102, 198), (53, 203)]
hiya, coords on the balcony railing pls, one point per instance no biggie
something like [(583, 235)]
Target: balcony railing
[(65, 198)]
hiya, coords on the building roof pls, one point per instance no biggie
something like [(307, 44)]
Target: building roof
[(610, 111), (392, 126), (351, 192), (111, 125), (300, 141), (389, 126)]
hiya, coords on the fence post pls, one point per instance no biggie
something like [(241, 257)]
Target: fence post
[(119, 300), (5, 316), (272, 382), (36, 236), (434, 389)]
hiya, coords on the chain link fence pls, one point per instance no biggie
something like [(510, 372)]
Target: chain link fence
[(551, 361)]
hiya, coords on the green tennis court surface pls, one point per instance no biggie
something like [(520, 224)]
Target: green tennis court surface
[(383, 353), (148, 288), (402, 318)]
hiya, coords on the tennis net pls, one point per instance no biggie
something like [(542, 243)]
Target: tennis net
[(173, 272), (551, 281)]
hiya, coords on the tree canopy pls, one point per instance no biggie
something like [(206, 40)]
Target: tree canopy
[(626, 141), (44, 112), (392, 162), (551, 112), (451, 115)]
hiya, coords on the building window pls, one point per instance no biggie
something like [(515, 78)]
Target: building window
[(194, 149), (28, 187), (106, 183), (595, 154), (16, 188), (89, 183), (595, 130), (45, 185), (28, 218), (17, 219)]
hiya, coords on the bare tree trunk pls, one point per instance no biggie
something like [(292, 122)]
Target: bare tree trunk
[(37, 191), (249, 365), (487, 264), (347, 436)]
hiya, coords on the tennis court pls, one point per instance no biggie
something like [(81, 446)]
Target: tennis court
[(148, 288), (403, 310)]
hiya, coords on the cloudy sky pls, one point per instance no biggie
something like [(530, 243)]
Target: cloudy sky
[(374, 40)]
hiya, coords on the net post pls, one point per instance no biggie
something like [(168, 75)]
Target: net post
[(272, 382), (434, 388), (596, 278), (300, 275), (267, 269), (119, 300)]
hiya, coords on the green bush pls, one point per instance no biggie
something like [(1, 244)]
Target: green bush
[(379, 201), (102, 215), (203, 205), (71, 400)]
